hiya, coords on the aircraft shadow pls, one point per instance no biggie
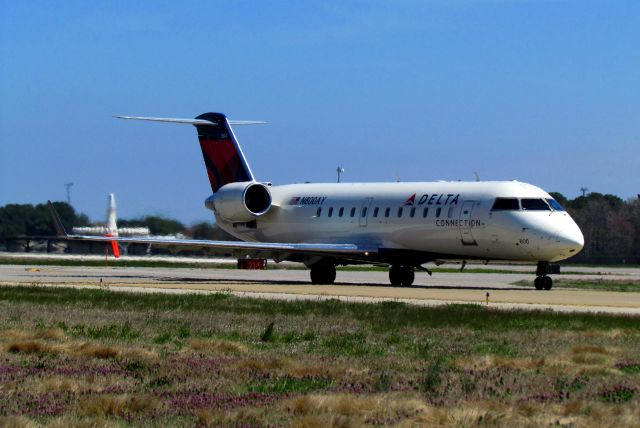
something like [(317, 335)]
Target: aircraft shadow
[(337, 284), (188, 280)]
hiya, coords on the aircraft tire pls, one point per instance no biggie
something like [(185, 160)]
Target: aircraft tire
[(548, 282), (539, 282), (408, 276), (395, 275), (323, 273)]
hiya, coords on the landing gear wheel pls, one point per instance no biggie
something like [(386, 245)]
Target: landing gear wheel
[(539, 282), (395, 275), (408, 276), (401, 275), (543, 283), (323, 273)]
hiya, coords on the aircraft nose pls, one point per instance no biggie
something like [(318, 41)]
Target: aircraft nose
[(570, 239)]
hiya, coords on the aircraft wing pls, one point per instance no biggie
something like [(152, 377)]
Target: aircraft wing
[(274, 250)]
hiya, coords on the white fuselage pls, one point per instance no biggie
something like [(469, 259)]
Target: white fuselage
[(446, 219)]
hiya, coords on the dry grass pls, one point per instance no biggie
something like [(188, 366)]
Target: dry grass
[(52, 334), (16, 422), (485, 362), (241, 417), (81, 349), (28, 347), (285, 366), (223, 346), (93, 350), (86, 422), (335, 410), (117, 405), (60, 384), (340, 410), (579, 359), (591, 355), (582, 349)]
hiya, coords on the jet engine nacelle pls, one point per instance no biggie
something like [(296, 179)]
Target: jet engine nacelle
[(241, 201)]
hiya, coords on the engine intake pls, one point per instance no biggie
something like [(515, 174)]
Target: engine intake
[(240, 202)]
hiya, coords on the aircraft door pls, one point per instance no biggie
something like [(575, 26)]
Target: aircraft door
[(364, 211), (465, 223)]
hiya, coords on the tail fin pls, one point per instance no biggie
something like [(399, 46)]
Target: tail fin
[(112, 225), (222, 154)]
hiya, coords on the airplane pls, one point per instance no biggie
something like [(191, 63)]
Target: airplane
[(111, 227), (400, 224)]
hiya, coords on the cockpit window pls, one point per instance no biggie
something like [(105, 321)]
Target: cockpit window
[(555, 205), (531, 204), (506, 204)]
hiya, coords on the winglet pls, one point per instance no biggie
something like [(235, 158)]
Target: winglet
[(60, 231)]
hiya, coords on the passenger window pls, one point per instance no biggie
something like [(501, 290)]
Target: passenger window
[(375, 212), (330, 213), (506, 204), (555, 205), (340, 211), (438, 211), (450, 213), (531, 204), (425, 213), (413, 212), (387, 211), (318, 211), (353, 212), (399, 212), (364, 212)]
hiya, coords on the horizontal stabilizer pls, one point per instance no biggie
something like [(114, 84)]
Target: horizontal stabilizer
[(191, 121)]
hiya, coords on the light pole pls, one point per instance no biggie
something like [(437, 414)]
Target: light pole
[(68, 186), (584, 191), (339, 170)]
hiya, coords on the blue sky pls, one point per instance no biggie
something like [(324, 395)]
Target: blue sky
[(546, 92)]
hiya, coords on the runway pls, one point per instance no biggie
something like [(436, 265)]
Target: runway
[(366, 286)]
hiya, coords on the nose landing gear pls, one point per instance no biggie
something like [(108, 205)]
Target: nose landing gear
[(542, 281), (401, 275)]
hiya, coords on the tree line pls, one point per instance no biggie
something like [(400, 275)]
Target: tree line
[(611, 226), (21, 220)]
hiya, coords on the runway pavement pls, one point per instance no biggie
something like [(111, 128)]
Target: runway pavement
[(441, 288)]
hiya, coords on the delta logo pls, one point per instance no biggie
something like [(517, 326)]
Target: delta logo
[(433, 199), (410, 201)]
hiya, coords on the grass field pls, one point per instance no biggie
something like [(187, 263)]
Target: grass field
[(104, 358)]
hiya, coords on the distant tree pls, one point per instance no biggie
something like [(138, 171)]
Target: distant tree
[(202, 230), (559, 197), (26, 219), (13, 219), (209, 231), (136, 222), (163, 226)]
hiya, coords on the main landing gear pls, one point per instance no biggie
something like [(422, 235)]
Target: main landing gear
[(323, 273), (401, 275), (542, 281)]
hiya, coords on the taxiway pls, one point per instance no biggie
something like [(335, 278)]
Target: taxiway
[(365, 286)]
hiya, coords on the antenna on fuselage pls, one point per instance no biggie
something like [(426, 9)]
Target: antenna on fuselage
[(477, 176), (339, 170)]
